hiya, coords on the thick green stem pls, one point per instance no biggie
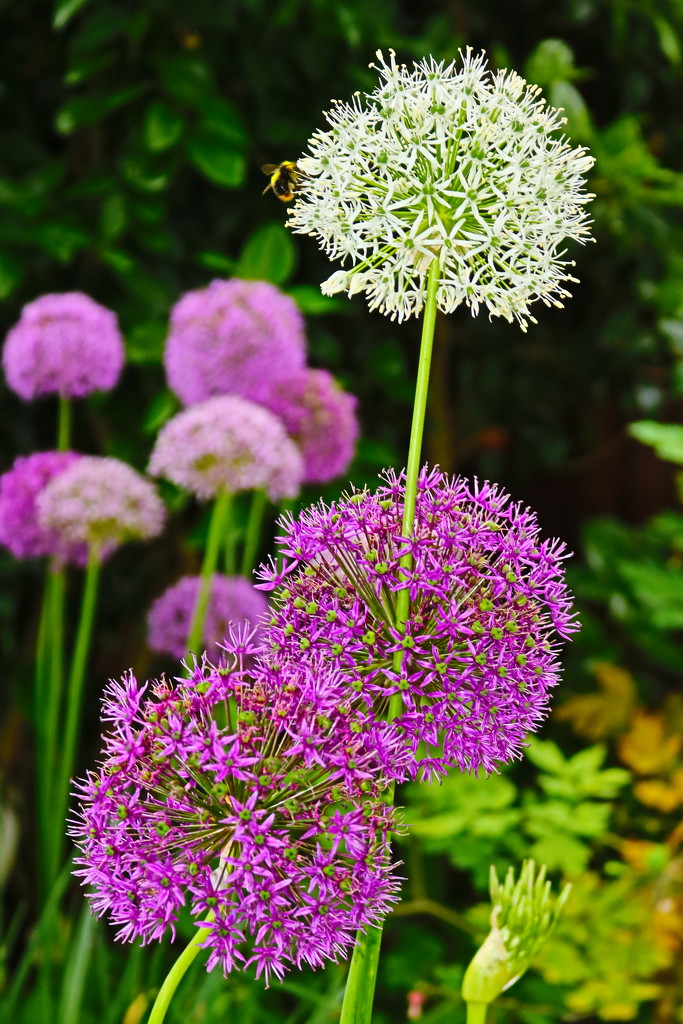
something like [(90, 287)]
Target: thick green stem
[(220, 517), (253, 534), (476, 1013), (76, 683), (50, 678), (175, 976), (360, 987), (64, 425)]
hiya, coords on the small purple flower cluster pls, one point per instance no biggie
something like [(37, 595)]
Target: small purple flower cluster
[(231, 600), (101, 503), (64, 344), (488, 606), (245, 794), (20, 528), (227, 444)]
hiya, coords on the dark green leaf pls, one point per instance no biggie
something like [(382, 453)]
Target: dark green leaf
[(162, 126), (11, 273), (218, 161), (65, 10), (82, 111), (269, 254), (186, 78)]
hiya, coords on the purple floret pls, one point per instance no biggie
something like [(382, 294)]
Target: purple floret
[(20, 487), (231, 600), (234, 337), (489, 607), (101, 502), (270, 825), (321, 418), (64, 344), (227, 444)]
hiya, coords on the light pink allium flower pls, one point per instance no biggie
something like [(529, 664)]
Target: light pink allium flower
[(64, 344)]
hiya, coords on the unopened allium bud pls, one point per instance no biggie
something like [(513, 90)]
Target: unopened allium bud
[(234, 337), (101, 502), (227, 444), (447, 162), (64, 344), (524, 914)]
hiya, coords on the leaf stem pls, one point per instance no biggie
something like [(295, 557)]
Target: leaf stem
[(175, 976)]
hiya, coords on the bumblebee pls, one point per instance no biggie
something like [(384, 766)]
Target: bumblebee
[(284, 178)]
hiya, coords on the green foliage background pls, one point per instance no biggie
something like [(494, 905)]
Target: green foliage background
[(133, 134)]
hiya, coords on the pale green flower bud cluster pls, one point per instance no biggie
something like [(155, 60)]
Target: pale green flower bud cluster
[(450, 162), (523, 915)]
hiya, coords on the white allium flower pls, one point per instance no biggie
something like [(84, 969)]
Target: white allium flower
[(446, 162)]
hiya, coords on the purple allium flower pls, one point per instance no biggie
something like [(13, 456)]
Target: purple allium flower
[(231, 600), (488, 606), (234, 337), (227, 444), (321, 418), (20, 487), (101, 502), (64, 344), (270, 826)]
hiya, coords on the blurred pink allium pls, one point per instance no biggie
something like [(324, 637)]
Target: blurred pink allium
[(321, 417), (64, 344), (232, 599), (227, 444), (101, 502), (234, 337), (20, 488)]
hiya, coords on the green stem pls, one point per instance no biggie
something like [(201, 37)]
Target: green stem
[(50, 668), (360, 986), (476, 1013), (64, 425), (220, 517), (75, 701), (175, 976), (253, 534)]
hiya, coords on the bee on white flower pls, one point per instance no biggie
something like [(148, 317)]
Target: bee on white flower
[(451, 162)]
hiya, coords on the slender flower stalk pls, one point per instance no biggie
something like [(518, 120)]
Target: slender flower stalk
[(218, 527), (64, 424), (176, 975), (253, 531), (360, 989), (74, 706)]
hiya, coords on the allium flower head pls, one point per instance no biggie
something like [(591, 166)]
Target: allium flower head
[(227, 444), (450, 162), (234, 337), (101, 502), (321, 418), (20, 487), (488, 605), (232, 600), (269, 825), (64, 344)]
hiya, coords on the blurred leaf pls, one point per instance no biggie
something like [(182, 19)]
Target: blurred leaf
[(113, 216), (162, 126), (221, 118), (82, 68), (546, 755), (187, 78), (145, 343), (138, 173), (215, 159), (665, 438), (312, 302), (82, 111), (11, 273), (217, 262), (65, 10), (269, 254), (597, 715), (646, 748)]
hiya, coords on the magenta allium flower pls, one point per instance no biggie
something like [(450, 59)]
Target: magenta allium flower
[(234, 337), (271, 828), (64, 344), (321, 418), (101, 502), (20, 488), (227, 444), (488, 608), (232, 599)]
